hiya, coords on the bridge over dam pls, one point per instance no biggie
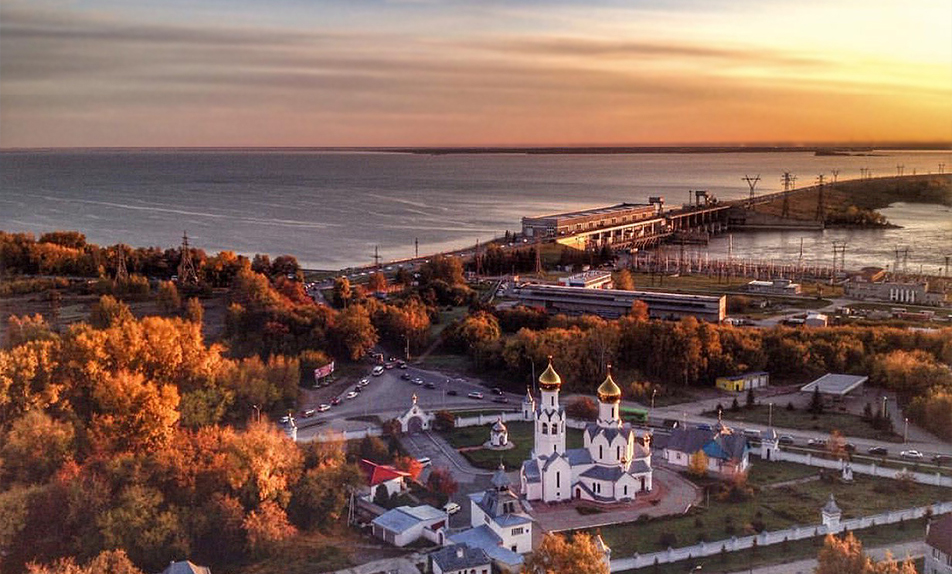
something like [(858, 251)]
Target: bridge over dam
[(631, 225)]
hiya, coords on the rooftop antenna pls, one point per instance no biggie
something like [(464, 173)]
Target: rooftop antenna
[(751, 183), (122, 274), (186, 269)]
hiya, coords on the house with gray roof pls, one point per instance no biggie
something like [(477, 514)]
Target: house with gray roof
[(460, 559), (186, 567), (727, 451), (406, 524), (939, 546)]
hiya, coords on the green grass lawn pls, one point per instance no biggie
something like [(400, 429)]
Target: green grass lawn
[(846, 423), (775, 472), (772, 509), (790, 551), (520, 433)]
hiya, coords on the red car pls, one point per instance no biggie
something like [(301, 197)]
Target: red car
[(335, 401)]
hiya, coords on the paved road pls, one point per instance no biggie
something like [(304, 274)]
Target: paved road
[(899, 552), (388, 395)]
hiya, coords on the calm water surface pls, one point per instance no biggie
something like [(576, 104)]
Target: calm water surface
[(331, 209)]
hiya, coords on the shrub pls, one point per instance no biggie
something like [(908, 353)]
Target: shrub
[(668, 539)]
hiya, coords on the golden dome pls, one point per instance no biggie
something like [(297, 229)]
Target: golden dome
[(608, 391), (549, 380)]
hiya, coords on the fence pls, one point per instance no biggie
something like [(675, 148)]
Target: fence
[(510, 416), (936, 479), (331, 435), (734, 543)]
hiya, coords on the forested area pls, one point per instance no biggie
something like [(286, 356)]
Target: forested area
[(668, 354)]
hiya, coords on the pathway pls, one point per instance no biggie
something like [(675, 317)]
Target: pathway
[(674, 493), (899, 551)]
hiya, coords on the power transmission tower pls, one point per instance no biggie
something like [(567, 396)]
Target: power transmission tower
[(122, 274), (835, 173), (839, 254), (900, 168), (187, 274), (905, 261), (789, 180), (538, 258), (751, 183), (820, 208), (862, 172)]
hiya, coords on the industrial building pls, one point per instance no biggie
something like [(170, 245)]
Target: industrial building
[(574, 222), (742, 382), (612, 303), (589, 280), (915, 293), (775, 287)]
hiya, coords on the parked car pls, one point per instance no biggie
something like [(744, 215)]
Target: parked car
[(402, 364), (358, 389), (475, 395), (308, 413), (878, 450), (785, 439), (451, 508), (323, 407), (286, 419), (378, 370), (430, 385), (817, 442), (424, 461), (500, 400), (363, 382), (452, 392), (914, 454), (335, 401), (351, 395), (849, 447), (406, 376), (704, 427), (497, 391), (417, 381), (941, 459)]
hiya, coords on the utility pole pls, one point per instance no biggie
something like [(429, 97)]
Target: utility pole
[(862, 172), (941, 168), (476, 259), (900, 168), (751, 183), (376, 258), (538, 258), (416, 247)]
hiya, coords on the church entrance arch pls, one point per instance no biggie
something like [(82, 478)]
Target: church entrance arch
[(578, 492), (415, 425)]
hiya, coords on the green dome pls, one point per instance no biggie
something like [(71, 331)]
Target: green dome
[(549, 380)]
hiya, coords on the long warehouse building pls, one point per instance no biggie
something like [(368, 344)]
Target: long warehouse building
[(612, 303), (575, 222)]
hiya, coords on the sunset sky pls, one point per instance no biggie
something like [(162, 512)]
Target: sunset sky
[(484, 72)]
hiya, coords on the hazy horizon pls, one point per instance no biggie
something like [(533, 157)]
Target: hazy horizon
[(442, 73)]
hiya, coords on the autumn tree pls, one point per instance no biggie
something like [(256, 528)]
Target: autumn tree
[(846, 556), (108, 312), (194, 311), (352, 333), (697, 464), (582, 408), (342, 293), (35, 447), (131, 413), (441, 480), (168, 297), (111, 561), (377, 281), (558, 555), (623, 280)]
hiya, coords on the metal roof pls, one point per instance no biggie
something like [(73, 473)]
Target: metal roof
[(460, 556), (835, 384)]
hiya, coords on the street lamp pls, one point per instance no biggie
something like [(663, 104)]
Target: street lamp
[(257, 413), (770, 415), (905, 430)]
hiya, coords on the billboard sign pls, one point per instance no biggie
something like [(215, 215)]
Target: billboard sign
[(321, 372)]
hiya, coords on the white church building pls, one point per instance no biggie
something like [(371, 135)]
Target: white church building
[(614, 464)]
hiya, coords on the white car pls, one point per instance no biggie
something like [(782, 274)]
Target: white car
[(324, 407), (451, 508), (475, 395), (351, 395), (378, 370), (364, 382), (910, 454)]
